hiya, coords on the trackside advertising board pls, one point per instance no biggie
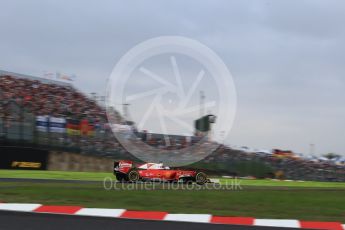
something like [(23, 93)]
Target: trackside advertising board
[(42, 123), (57, 125), (23, 158)]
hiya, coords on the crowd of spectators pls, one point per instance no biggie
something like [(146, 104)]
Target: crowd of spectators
[(291, 168), (57, 100), (49, 99), (64, 101), (168, 142)]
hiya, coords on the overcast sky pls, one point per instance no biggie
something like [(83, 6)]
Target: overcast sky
[(286, 57)]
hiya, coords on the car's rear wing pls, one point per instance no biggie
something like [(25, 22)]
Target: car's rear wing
[(123, 166)]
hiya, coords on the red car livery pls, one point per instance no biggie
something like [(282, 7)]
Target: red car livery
[(126, 171)]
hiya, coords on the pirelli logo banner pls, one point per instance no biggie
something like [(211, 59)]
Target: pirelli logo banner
[(23, 158), (24, 164)]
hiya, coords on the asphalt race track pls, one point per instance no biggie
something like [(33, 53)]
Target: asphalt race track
[(36, 221)]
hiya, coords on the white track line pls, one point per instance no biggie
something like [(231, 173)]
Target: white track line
[(199, 218), (19, 207), (277, 223), (100, 212)]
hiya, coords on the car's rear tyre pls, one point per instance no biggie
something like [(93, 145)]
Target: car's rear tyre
[(133, 176), (200, 178)]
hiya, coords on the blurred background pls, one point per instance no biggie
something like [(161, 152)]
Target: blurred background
[(285, 59)]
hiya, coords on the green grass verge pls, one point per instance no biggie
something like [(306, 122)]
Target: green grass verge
[(323, 204), (96, 176), (282, 183), (259, 198), (60, 175)]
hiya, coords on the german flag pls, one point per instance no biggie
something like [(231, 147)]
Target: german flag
[(73, 127)]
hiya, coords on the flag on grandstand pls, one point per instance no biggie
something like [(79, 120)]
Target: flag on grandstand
[(65, 77), (57, 125), (77, 127), (73, 127), (42, 123), (86, 128)]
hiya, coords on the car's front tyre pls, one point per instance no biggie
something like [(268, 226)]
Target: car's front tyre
[(200, 178)]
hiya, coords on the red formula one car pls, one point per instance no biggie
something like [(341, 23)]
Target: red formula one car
[(125, 171)]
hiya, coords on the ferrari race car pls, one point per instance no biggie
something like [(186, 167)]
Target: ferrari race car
[(125, 171)]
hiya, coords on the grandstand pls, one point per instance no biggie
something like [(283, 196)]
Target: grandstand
[(53, 115), (75, 122)]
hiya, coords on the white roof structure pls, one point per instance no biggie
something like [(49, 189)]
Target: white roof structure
[(29, 77)]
